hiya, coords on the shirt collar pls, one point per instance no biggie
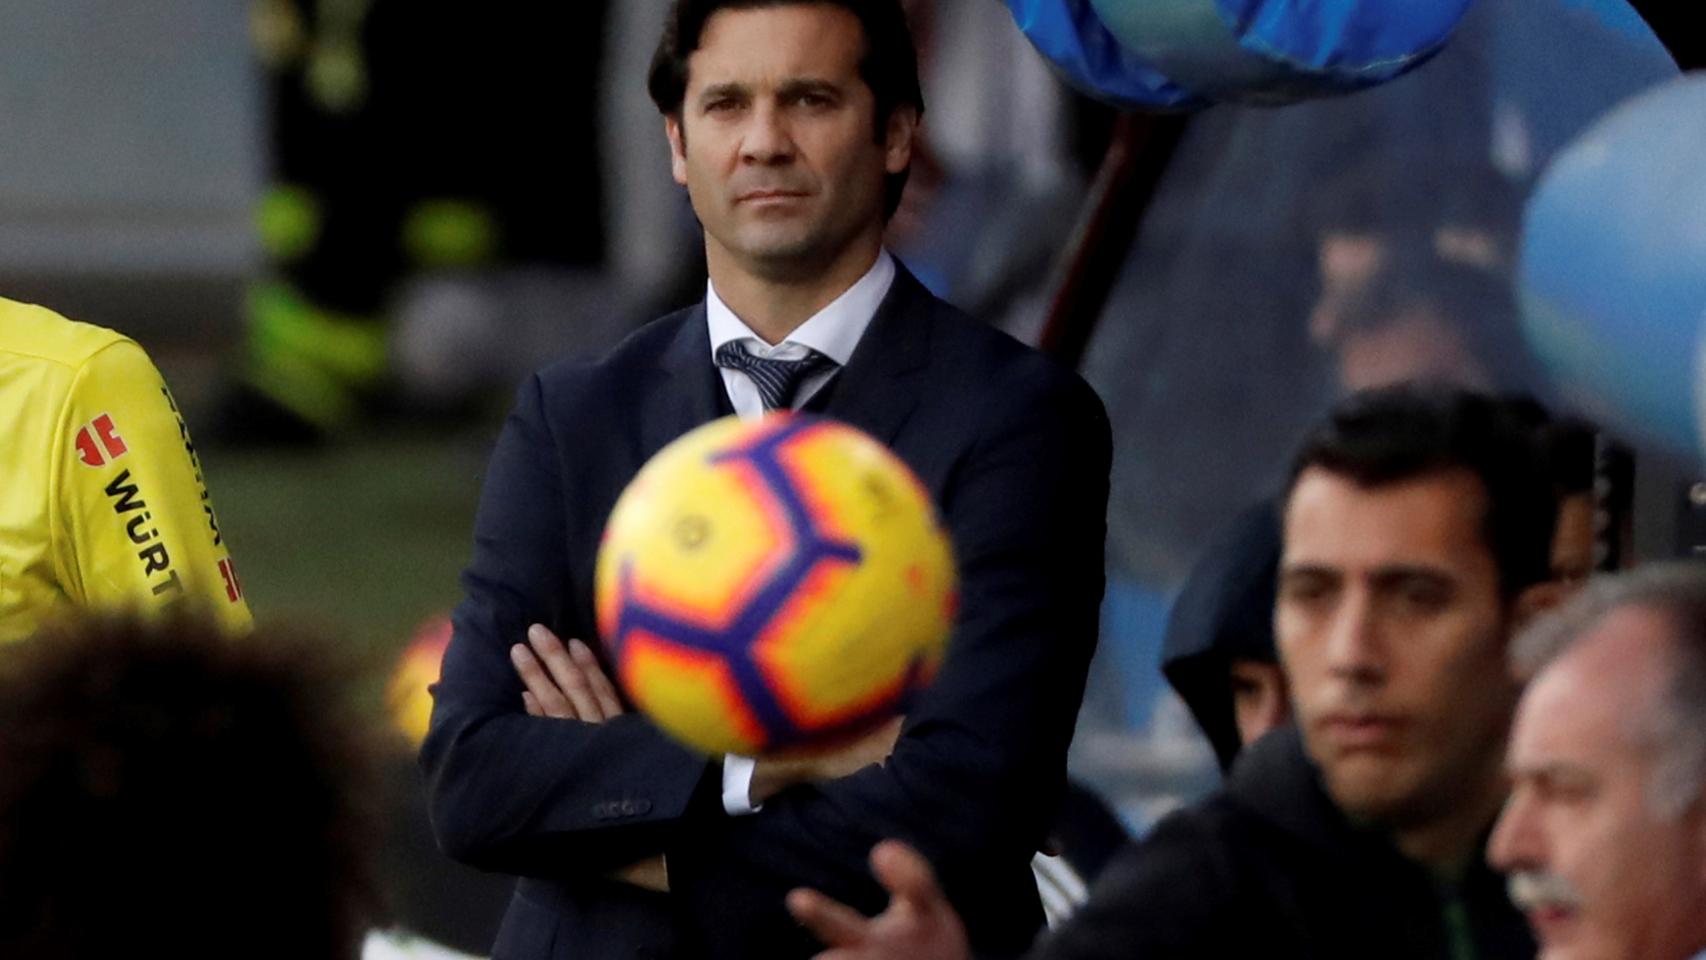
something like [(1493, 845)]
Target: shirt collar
[(833, 331)]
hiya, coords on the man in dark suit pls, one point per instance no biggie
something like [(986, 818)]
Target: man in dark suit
[(791, 125)]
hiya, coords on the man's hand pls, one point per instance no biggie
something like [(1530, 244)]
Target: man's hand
[(563, 681), (919, 924), (771, 775)]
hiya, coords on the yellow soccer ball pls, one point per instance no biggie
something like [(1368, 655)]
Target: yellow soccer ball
[(773, 585)]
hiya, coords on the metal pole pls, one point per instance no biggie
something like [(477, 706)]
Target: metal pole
[(1138, 154)]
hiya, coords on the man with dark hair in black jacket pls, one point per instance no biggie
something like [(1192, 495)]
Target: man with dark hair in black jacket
[(1417, 528)]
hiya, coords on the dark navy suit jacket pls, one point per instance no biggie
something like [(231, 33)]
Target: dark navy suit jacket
[(1015, 451)]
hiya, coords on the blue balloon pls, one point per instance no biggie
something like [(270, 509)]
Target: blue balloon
[(1072, 38), (1279, 51), (1613, 268)]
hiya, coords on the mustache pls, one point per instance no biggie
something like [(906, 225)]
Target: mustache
[(1540, 889)]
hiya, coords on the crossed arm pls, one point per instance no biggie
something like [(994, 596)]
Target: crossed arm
[(564, 681)]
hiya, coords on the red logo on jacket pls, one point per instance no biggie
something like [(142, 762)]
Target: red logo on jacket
[(98, 442)]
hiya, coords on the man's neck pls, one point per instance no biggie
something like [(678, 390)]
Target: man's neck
[(1450, 844), (775, 302)]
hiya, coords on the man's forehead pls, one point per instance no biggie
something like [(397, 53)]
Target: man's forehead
[(772, 45), (1592, 697), (1433, 520)]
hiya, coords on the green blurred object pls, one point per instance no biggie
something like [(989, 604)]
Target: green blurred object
[(289, 220), (442, 234), (312, 361)]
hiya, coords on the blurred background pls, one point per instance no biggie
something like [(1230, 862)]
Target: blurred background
[(346, 229)]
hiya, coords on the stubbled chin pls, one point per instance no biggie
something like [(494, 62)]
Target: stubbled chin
[(1365, 786)]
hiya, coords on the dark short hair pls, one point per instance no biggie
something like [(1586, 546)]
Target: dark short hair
[(168, 789), (1568, 444), (889, 65), (1394, 434)]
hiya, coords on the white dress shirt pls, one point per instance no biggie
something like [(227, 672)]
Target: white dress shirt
[(833, 331)]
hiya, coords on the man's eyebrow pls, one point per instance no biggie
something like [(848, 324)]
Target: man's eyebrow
[(799, 86), (1307, 568), (1402, 572), (718, 91)]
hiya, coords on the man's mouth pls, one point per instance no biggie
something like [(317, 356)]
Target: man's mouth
[(1360, 729), (770, 196), (1548, 901)]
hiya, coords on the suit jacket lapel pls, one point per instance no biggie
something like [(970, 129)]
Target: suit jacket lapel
[(879, 385), (685, 392)]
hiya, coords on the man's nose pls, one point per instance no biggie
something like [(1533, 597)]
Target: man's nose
[(1514, 843), (767, 139), (1354, 644)]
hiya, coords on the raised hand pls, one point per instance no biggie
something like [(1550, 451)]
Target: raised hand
[(919, 923)]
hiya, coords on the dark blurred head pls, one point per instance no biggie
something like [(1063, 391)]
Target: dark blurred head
[(1569, 448), (889, 66), (1218, 652), (168, 790), (1568, 445), (1420, 317)]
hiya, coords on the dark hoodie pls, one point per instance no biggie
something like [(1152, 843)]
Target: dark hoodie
[(1223, 613), (1270, 868)]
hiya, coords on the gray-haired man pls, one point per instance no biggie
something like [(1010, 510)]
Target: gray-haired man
[(1604, 835)]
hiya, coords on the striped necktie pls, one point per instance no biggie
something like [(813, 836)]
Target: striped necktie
[(776, 380)]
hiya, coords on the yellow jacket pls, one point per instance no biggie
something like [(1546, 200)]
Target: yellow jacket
[(102, 502)]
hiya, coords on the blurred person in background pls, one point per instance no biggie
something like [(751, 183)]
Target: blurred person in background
[(170, 790), (1416, 532), (791, 127), (1604, 835), (1422, 318), (1570, 456), (1205, 333), (413, 159), (1569, 445), (1218, 652), (103, 504)]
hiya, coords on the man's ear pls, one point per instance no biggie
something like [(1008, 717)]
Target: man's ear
[(677, 147), (1535, 601), (897, 138)]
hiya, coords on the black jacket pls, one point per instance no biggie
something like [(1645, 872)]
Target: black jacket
[(1270, 868), (1015, 452)]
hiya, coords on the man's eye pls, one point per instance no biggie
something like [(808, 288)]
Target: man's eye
[(721, 106), (1563, 791), (1303, 591), (1425, 596)]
